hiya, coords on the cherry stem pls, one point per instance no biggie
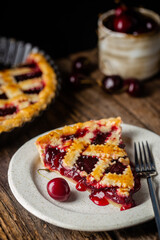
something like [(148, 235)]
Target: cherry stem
[(87, 81), (99, 82), (43, 169)]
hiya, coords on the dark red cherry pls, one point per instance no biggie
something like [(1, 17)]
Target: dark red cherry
[(145, 25), (150, 24), (75, 79), (120, 10), (133, 87), (58, 189), (81, 65), (123, 23), (112, 83)]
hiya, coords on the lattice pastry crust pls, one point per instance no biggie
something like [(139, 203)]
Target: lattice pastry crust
[(25, 91)]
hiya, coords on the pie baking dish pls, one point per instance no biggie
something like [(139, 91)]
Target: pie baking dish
[(28, 85)]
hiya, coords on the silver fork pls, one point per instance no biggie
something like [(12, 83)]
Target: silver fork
[(145, 166)]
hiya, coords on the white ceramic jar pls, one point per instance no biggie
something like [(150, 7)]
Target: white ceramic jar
[(129, 55)]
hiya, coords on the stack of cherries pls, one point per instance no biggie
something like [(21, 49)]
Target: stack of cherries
[(111, 84), (130, 21)]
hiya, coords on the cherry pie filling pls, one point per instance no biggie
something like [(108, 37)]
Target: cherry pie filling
[(35, 90), (99, 195), (8, 110), (3, 96), (35, 73), (79, 133), (100, 137)]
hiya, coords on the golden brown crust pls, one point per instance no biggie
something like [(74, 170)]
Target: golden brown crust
[(29, 105), (105, 124)]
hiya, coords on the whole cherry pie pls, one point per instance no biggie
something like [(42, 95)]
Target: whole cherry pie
[(92, 155), (25, 90)]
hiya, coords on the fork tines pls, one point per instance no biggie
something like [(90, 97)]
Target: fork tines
[(144, 161)]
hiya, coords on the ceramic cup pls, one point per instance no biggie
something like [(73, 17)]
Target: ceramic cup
[(129, 55)]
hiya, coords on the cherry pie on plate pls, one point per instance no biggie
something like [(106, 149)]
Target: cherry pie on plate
[(92, 154), (25, 90)]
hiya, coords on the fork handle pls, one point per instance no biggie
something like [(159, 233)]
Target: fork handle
[(154, 203)]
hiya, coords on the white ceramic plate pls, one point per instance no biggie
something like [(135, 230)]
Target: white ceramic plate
[(78, 213)]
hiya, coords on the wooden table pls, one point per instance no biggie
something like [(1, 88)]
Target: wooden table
[(73, 106)]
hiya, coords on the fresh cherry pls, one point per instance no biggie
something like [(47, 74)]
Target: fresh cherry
[(120, 10), (81, 65), (149, 24), (58, 189), (123, 23), (112, 83), (75, 79), (146, 24), (133, 87)]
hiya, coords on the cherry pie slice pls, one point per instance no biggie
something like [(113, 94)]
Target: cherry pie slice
[(25, 90), (92, 155)]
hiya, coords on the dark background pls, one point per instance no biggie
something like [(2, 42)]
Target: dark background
[(58, 27)]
